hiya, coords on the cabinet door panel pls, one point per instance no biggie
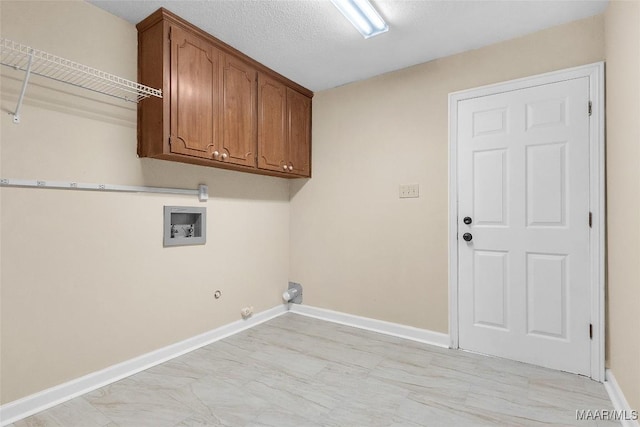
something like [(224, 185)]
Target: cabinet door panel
[(195, 102), (299, 132), (239, 112), (272, 124)]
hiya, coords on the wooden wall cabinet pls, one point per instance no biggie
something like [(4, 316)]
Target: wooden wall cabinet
[(284, 123), (219, 108)]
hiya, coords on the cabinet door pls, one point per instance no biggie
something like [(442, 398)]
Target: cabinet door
[(195, 94), (272, 124), (239, 124), (299, 132)]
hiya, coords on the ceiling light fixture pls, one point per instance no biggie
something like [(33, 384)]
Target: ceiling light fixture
[(363, 16)]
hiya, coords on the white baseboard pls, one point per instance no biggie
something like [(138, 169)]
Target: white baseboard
[(22, 408), (619, 401), (395, 329)]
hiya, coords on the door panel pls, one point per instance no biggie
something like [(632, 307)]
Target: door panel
[(299, 132), (195, 67), (490, 187), (551, 112), (490, 122), (272, 124), (546, 185), (523, 176), (547, 309), (239, 113), (490, 289)]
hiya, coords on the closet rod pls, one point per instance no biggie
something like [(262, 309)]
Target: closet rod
[(201, 192)]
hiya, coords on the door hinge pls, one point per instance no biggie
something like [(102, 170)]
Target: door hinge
[(590, 219), (169, 142), (590, 331), (590, 108)]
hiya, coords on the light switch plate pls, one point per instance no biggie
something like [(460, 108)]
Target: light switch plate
[(408, 191)]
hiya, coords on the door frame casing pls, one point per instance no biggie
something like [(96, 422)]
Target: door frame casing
[(595, 72)]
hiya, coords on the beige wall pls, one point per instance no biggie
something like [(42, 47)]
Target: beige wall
[(355, 245), (85, 281), (622, 21)]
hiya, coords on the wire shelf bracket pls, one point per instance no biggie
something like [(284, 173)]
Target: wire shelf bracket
[(16, 114), (33, 61), (202, 192)]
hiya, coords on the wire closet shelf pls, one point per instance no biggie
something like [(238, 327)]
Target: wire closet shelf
[(44, 64)]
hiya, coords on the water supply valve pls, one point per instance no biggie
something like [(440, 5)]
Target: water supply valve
[(293, 293)]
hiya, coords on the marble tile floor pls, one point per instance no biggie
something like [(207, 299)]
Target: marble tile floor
[(298, 371)]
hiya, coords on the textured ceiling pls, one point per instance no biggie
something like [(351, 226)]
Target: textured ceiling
[(311, 43)]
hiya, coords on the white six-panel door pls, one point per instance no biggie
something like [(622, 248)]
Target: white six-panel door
[(523, 181)]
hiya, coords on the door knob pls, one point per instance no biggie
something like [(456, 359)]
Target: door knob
[(216, 154), (285, 167), (224, 156), (467, 220), (290, 168), (467, 237)]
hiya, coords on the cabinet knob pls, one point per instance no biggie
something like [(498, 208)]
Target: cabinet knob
[(216, 154), (290, 168), (224, 156), (285, 167)]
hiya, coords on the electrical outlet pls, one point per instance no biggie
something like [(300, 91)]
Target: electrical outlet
[(409, 191)]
